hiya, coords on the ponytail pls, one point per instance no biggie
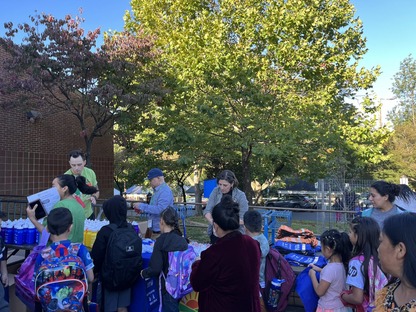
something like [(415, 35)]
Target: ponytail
[(84, 187), (75, 182), (171, 218)]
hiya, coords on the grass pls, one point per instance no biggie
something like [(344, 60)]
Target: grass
[(196, 227)]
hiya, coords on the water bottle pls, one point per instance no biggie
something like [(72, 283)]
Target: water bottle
[(18, 235), (136, 227), (31, 235), (9, 234), (274, 292)]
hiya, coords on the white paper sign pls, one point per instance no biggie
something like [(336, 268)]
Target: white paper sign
[(48, 198)]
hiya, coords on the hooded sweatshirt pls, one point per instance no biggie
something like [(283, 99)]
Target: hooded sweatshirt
[(115, 209), (166, 242)]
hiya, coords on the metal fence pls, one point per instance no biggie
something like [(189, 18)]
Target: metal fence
[(349, 192), (352, 195), (13, 207)]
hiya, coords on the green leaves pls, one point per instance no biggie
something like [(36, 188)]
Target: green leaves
[(261, 81), (62, 70)]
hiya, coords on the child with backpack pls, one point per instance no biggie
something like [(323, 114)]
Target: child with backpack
[(253, 223), (170, 240), (115, 243), (336, 249), (365, 276), (62, 270)]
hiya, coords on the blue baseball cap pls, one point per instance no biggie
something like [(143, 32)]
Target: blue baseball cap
[(153, 173)]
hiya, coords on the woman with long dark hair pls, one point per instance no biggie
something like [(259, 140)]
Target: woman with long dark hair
[(227, 276), (66, 186), (382, 196), (397, 252)]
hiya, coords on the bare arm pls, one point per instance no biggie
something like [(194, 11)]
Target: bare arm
[(31, 215), (319, 287), (4, 273), (355, 297), (315, 268), (90, 275), (208, 216)]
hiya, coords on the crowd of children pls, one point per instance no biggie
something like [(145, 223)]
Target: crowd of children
[(369, 269)]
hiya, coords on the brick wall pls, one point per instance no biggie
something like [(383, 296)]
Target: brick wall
[(32, 154)]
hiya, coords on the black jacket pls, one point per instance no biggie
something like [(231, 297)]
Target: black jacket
[(166, 242)]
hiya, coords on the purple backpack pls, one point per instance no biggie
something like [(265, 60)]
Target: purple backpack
[(177, 280), (278, 267), (24, 280)]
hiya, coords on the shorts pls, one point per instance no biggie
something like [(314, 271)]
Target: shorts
[(343, 309), (116, 299)]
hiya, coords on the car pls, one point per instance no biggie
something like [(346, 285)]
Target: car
[(364, 201), (292, 201)]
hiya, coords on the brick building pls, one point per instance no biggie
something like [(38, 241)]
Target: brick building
[(33, 152)]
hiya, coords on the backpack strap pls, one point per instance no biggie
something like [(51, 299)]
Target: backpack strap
[(400, 208), (61, 251), (279, 268)]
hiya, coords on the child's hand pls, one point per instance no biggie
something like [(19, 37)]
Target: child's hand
[(314, 267), (345, 303), (5, 279), (312, 273)]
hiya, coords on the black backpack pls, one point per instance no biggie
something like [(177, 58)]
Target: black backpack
[(123, 258)]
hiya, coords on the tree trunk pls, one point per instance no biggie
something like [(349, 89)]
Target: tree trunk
[(198, 192), (88, 146), (180, 184), (245, 163)]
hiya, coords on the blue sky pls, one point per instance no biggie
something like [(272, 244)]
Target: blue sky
[(389, 26), (390, 29)]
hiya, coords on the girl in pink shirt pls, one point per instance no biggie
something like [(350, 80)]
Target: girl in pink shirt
[(336, 247)]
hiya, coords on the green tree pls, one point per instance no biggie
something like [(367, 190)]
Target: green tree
[(401, 148), (57, 67), (404, 88), (264, 81)]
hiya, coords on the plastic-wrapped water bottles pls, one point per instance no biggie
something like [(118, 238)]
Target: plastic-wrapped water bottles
[(19, 234), (31, 234), (8, 232), (91, 228)]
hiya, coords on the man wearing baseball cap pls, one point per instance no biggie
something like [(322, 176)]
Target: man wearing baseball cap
[(162, 198)]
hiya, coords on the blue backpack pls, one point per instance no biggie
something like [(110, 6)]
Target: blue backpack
[(61, 280), (177, 280)]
